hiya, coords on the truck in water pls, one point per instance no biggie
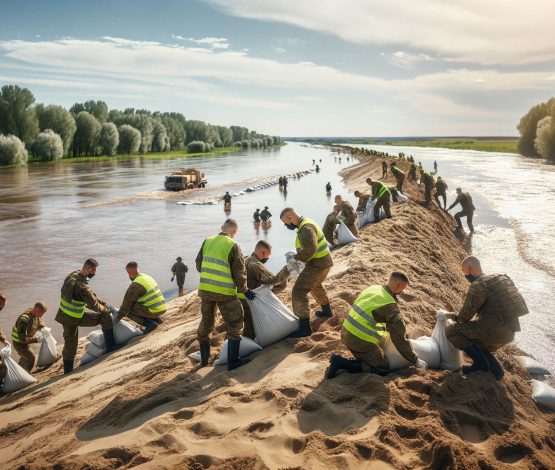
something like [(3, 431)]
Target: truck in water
[(186, 178)]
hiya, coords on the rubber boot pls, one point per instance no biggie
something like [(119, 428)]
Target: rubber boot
[(149, 325), (233, 359), (353, 366), (378, 371), (204, 354), (68, 366), (109, 340), (325, 311), (304, 329), (480, 361), (495, 367)]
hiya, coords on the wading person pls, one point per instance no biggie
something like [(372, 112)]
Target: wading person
[(399, 176), (441, 190), (256, 216), (382, 196), (76, 294), (223, 278), (488, 318), (350, 218), (312, 249), (374, 312), (265, 215), (24, 333), (329, 225), (465, 200), (179, 270), (143, 302), (328, 187), (227, 199)]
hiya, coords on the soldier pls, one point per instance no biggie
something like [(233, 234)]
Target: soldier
[(441, 190), (382, 196), (227, 198), (465, 200), (328, 187), (312, 249), (75, 296), (329, 225), (374, 312), (285, 182), (24, 333), (143, 302), (3, 343), (488, 318), (384, 169), (280, 181), (265, 214), (362, 201), (256, 216), (429, 183), (179, 270), (435, 166), (399, 176), (258, 275), (412, 172), (223, 278), (350, 218)]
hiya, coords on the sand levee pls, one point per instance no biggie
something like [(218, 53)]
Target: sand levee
[(149, 406)]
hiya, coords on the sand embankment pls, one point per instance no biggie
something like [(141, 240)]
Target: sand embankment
[(148, 406)]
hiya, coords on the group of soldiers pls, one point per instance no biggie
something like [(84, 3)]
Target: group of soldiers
[(261, 216)]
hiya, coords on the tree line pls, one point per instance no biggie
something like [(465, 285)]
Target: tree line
[(51, 132), (537, 131)]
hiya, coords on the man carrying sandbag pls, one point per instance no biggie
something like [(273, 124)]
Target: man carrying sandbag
[(258, 275), (24, 333), (143, 302), (399, 176), (312, 249), (382, 196), (223, 277), (3, 343), (76, 295), (362, 200), (374, 312), (488, 318), (350, 218), (329, 225)]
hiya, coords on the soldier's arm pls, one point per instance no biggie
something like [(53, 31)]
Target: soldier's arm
[(396, 328), (173, 269), (475, 298), (349, 214), (85, 294), (198, 260), (238, 270), (134, 291), (266, 277), (455, 202), (22, 331), (309, 243), (186, 269), (41, 323)]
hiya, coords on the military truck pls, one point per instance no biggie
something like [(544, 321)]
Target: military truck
[(186, 178)]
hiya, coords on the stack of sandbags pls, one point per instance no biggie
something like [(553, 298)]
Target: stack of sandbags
[(47, 353), (16, 376)]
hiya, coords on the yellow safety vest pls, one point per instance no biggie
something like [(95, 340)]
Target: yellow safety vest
[(383, 190), (15, 333), (153, 299), (322, 249), (360, 320), (73, 308), (215, 271)]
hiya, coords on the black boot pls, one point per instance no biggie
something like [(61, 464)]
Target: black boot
[(378, 371), (204, 354), (68, 366), (304, 329), (353, 366), (494, 366), (109, 340), (325, 312), (480, 361), (233, 359), (149, 325)]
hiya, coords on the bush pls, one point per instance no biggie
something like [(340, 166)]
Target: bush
[(196, 146), (48, 146), (12, 150), (545, 138), (108, 140), (129, 139), (246, 144)]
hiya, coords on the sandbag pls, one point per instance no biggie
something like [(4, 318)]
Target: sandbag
[(532, 366), (424, 347), (401, 197), (195, 356), (97, 337), (94, 350), (451, 357), (368, 216), (124, 331), (344, 235), (47, 353), (247, 346), (86, 358), (294, 267), (543, 394), (16, 376), (272, 320)]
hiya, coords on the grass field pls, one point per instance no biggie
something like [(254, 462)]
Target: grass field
[(507, 145)]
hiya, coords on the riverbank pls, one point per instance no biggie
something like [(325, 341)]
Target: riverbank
[(148, 403)]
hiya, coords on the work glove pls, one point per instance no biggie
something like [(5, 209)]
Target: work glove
[(420, 364), (249, 294), (34, 339), (173, 277)]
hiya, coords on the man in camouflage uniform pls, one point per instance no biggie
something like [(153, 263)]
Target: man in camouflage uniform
[(382, 196), (441, 190), (256, 216), (330, 223), (3, 343), (265, 214), (488, 318), (179, 270), (362, 200), (24, 334), (465, 200), (412, 171), (429, 184), (348, 214), (399, 176), (384, 169)]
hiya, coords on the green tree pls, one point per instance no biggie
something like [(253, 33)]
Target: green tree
[(12, 150), (86, 135), (545, 138), (528, 125), (17, 116), (108, 139), (99, 109), (160, 141), (58, 119), (48, 146), (196, 146), (129, 139)]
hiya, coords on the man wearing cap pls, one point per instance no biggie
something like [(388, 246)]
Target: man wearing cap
[(179, 269)]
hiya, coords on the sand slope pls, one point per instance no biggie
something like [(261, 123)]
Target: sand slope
[(148, 406)]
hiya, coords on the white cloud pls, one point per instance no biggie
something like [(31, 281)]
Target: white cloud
[(211, 42), (280, 50), (407, 60)]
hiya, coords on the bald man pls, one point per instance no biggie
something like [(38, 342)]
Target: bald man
[(488, 318)]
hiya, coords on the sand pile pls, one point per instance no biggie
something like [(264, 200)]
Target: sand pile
[(149, 406)]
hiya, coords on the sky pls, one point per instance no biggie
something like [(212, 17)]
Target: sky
[(291, 68)]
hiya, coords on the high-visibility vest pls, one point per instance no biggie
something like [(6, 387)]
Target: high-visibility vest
[(15, 332), (73, 308), (153, 299), (383, 190), (215, 271), (322, 248), (360, 320)]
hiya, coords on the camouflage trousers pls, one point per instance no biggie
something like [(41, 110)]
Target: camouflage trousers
[(232, 315), (309, 281), (26, 356)]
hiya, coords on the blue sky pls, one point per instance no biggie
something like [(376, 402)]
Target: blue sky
[(291, 68)]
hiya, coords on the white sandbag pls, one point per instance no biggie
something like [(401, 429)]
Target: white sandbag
[(451, 357), (368, 216), (246, 347), (532, 366), (361, 219), (97, 337), (47, 353), (543, 394), (16, 376), (195, 356), (124, 331), (424, 347), (272, 320), (294, 267), (94, 350), (344, 235), (86, 358)]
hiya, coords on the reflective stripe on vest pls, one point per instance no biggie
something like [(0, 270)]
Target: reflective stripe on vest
[(153, 299), (360, 320), (215, 271), (73, 308), (322, 248), (384, 189), (15, 333)]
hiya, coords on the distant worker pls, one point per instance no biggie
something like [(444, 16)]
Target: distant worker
[(488, 318), (223, 277), (280, 181), (330, 223), (256, 216), (362, 200), (435, 166), (75, 296), (3, 343), (382, 196), (143, 302), (412, 172), (24, 333), (265, 215), (285, 182), (441, 190), (374, 314), (429, 184), (350, 217), (399, 176), (313, 161), (420, 167), (258, 275), (179, 270), (465, 200), (328, 187), (384, 169), (227, 198), (317, 168), (312, 249)]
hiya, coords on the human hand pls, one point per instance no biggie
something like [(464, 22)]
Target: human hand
[(250, 295)]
